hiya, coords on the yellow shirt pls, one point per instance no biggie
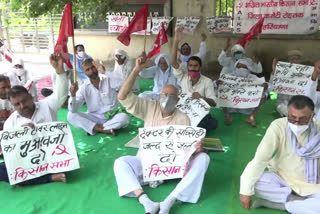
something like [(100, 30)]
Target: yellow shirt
[(276, 153)]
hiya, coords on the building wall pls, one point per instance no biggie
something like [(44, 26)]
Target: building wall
[(101, 45)]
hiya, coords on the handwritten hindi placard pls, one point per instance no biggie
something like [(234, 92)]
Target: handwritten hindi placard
[(281, 16), (196, 109), (165, 150), (219, 24), (30, 153), (238, 92), (291, 79), (157, 21), (189, 23), (117, 23)]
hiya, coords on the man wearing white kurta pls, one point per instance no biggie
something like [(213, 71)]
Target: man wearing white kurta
[(128, 169), (29, 114), (193, 82), (100, 98), (290, 151), (162, 74)]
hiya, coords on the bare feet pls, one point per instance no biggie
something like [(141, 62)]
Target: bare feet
[(60, 177), (111, 131), (252, 121), (99, 128)]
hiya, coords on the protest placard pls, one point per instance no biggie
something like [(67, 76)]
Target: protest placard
[(157, 21), (219, 24), (238, 92), (196, 109), (117, 23), (30, 153), (165, 150), (281, 16), (189, 23), (291, 79)]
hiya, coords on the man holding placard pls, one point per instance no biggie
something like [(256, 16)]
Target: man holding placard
[(194, 82), (311, 89), (242, 92), (128, 169), (29, 114), (290, 152)]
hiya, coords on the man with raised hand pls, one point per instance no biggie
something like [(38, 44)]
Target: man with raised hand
[(128, 169)]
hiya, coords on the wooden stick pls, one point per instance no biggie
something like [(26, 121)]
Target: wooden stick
[(74, 61), (145, 40)]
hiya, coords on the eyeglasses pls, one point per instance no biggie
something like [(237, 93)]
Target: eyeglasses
[(299, 121)]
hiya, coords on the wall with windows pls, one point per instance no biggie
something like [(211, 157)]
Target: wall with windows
[(101, 45)]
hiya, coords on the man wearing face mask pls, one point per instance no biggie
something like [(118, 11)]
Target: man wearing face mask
[(290, 151), (193, 82), (162, 75), (128, 169), (100, 97), (81, 55), (237, 53), (20, 76), (295, 57), (243, 68)]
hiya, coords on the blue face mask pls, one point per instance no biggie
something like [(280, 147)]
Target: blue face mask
[(238, 56)]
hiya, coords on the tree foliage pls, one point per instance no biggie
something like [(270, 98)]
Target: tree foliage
[(224, 10), (91, 10)]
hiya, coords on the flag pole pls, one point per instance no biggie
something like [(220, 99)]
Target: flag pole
[(74, 61), (145, 40)]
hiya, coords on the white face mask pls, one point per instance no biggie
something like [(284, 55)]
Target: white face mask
[(19, 71), (297, 129), (242, 72), (81, 54)]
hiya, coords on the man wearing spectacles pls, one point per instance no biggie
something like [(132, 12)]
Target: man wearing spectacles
[(290, 150)]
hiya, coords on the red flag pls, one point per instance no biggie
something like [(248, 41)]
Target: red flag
[(66, 30), (139, 22), (255, 30), (160, 40)]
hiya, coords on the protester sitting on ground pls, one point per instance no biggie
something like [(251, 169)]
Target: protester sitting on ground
[(237, 53), (162, 75), (243, 68), (100, 98), (30, 113), (290, 151), (185, 51), (295, 57), (194, 82), (122, 67), (20, 76), (128, 169), (311, 89), (5, 106)]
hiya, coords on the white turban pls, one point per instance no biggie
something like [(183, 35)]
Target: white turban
[(122, 53), (17, 61), (237, 48)]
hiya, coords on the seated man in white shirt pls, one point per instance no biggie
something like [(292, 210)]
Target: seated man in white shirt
[(100, 98), (194, 82), (29, 113), (290, 150), (237, 52), (128, 169), (243, 68), (294, 56), (5, 106), (162, 75)]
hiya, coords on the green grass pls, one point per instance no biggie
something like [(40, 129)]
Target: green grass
[(93, 189)]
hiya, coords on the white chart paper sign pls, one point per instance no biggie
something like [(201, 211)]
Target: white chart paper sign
[(157, 22), (31, 153), (281, 16), (188, 23), (165, 150), (219, 24), (291, 79), (117, 23), (196, 109), (238, 92)]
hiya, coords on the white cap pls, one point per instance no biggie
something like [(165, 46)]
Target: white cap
[(237, 48), (17, 61)]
